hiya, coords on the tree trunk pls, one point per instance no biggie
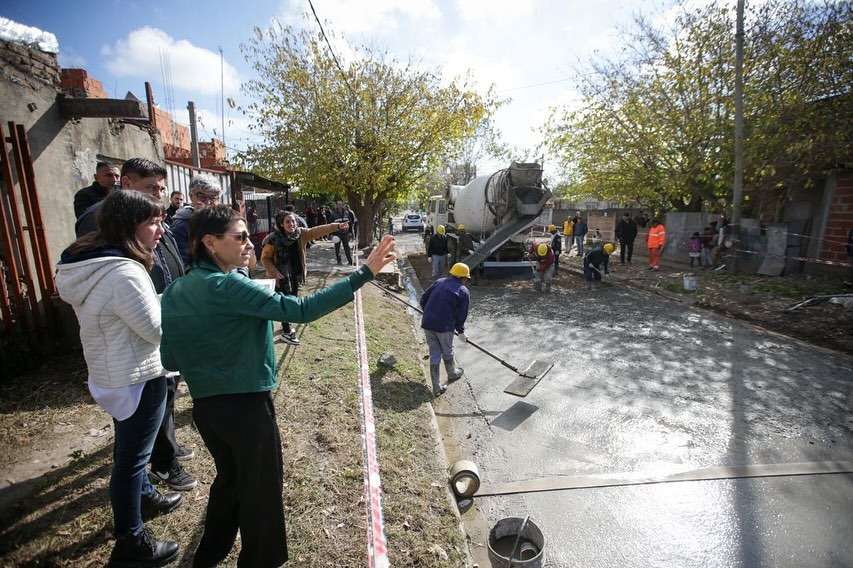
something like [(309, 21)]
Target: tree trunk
[(366, 215)]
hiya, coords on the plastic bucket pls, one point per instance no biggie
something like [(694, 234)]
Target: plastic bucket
[(530, 552), (691, 282)]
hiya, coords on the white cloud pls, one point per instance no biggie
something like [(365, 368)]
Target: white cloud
[(194, 69), (237, 131), (378, 16), (505, 12), (70, 59)]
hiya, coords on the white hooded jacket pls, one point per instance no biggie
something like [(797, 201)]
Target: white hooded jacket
[(119, 314)]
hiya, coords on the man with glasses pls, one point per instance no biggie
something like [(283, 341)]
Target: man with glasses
[(144, 176), (204, 191)]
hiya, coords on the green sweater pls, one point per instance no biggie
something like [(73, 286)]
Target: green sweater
[(217, 327)]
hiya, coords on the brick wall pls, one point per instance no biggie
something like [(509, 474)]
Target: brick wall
[(28, 66), (78, 83), (840, 219), (171, 132)]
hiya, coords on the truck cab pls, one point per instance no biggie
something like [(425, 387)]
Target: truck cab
[(437, 212)]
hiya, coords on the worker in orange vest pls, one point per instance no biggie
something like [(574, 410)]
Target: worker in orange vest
[(656, 241)]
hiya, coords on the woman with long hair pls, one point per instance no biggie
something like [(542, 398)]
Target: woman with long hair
[(217, 331), (104, 276)]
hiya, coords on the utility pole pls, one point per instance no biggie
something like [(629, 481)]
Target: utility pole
[(737, 193), (193, 136)]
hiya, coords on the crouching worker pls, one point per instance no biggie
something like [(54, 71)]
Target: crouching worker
[(445, 306), (543, 272), (217, 331), (596, 264)]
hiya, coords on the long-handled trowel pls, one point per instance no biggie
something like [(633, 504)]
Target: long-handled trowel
[(527, 378)]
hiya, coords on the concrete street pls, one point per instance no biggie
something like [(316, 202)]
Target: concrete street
[(645, 386)]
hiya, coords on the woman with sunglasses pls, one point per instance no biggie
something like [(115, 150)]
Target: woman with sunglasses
[(217, 331)]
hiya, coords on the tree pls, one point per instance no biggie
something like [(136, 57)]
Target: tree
[(656, 123), (370, 133)]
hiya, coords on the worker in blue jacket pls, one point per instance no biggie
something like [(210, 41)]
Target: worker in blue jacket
[(445, 306)]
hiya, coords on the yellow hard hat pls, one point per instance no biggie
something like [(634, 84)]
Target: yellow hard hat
[(440, 229), (460, 227), (460, 270), (609, 248), (552, 228), (542, 249)]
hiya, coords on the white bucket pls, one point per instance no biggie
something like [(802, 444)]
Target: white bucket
[(691, 282)]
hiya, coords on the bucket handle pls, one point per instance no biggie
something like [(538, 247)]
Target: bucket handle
[(517, 540)]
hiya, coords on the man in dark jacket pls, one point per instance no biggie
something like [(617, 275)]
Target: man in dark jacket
[(626, 233), (445, 306), (107, 176), (343, 214), (579, 231), (596, 264), (437, 251), (176, 200)]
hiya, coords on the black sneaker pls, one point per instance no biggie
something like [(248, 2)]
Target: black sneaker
[(290, 338), (184, 453), (158, 504), (142, 551), (176, 478)]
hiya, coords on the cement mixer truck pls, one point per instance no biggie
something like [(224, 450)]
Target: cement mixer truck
[(495, 209)]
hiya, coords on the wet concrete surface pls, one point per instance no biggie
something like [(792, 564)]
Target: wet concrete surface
[(641, 384)]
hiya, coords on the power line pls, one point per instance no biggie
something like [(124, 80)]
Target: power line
[(332, 51)]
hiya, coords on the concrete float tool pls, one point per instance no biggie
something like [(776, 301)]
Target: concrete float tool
[(528, 378)]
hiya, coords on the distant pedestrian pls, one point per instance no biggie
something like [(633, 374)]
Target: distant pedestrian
[(556, 246), (626, 233), (580, 229), (107, 177), (694, 249), (445, 306), (341, 215), (176, 200), (437, 251), (656, 241), (568, 225), (722, 240), (543, 271)]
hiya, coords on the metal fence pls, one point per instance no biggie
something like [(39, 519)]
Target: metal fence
[(178, 177)]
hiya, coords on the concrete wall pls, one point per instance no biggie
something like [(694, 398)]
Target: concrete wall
[(64, 152)]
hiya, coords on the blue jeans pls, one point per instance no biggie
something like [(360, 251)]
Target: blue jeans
[(134, 440), (439, 262), (579, 243)]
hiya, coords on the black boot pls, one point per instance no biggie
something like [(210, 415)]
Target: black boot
[(142, 551), (158, 504)]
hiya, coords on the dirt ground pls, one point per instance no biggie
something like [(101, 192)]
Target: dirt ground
[(761, 300), (56, 453)]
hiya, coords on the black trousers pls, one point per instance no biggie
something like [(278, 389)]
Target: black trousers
[(165, 444), (289, 285), (241, 434), (626, 246), (345, 242)]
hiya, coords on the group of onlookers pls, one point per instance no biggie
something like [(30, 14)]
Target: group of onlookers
[(158, 303)]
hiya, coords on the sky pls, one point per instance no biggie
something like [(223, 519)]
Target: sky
[(528, 49)]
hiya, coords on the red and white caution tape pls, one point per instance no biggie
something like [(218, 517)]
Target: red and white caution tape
[(377, 548), (798, 258)]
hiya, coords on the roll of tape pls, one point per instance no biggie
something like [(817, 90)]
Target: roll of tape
[(464, 478)]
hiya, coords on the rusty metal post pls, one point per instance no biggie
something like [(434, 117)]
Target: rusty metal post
[(41, 238), (26, 199), (8, 303), (16, 223), (149, 98)]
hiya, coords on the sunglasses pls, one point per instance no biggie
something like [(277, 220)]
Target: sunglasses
[(242, 236)]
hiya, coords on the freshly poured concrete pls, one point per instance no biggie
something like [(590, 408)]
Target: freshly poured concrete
[(644, 385)]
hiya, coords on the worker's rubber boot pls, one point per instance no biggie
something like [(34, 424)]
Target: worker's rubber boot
[(454, 373), (537, 286), (548, 287), (435, 375)]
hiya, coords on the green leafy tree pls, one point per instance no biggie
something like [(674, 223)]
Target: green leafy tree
[(656, 123), (370, 133)]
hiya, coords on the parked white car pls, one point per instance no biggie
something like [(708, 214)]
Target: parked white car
[(413, 222)]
